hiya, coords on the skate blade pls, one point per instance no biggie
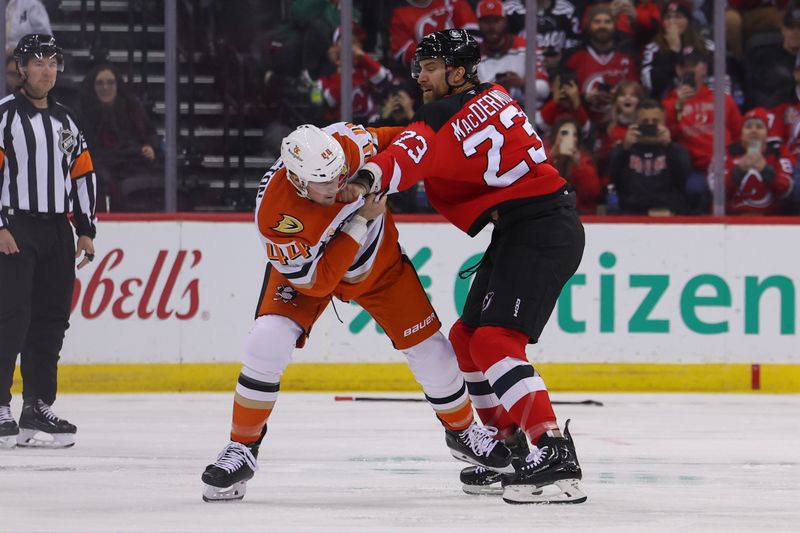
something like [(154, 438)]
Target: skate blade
[(562, 491), (495, 489), (224, 494), (467, 459), (8, 442), (33, 438)]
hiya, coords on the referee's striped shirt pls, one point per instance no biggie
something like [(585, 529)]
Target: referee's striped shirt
[(46, 165)]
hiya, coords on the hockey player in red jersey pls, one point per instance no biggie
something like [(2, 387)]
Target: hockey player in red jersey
[(319, 247), (483, 163)]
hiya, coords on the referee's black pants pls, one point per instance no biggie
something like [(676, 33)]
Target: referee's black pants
[(36, 288)]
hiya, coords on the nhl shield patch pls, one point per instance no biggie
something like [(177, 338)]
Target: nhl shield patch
[(66, 141)]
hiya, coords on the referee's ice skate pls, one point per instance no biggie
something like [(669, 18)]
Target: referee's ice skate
[(480, 481), (39, 427), (477, 445), (550, 474), (226, 479), (8, 428)]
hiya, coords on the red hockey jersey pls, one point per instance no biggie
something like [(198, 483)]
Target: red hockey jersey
[(593, 68), (410, 24), (693, 125), (758, 192), (476, 151)]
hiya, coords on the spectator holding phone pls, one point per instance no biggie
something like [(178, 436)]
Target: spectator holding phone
[(369, 78), (574, 164), (601, 63), (758, 176), (398, 105), (648, 169), (627, 96), (566, 102), (690, 118)]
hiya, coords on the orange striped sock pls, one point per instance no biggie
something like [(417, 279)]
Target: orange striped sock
[(457, 419), (249, 418)]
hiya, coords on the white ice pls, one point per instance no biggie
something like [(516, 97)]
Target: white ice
[(651, 462)]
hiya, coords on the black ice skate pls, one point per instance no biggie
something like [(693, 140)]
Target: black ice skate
[(8, 428), (477, 445), (226, 479), (39, 427), (480, 480), (550, 474)]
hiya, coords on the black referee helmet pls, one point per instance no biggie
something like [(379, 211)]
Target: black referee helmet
[(39, 46), (457, 47)]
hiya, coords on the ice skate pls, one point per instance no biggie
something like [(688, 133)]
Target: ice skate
[(226, 479), (479, 480), (477, 445), (8, 428), (550, 474), (39, 427)]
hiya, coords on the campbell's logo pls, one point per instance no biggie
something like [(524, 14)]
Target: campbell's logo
[(156, 295)]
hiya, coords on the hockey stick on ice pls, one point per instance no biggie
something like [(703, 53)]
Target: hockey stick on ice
[(380, 399)]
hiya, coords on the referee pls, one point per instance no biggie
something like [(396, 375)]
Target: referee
[(46, 171)]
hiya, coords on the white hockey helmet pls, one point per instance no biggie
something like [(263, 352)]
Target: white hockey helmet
[(313, 156)]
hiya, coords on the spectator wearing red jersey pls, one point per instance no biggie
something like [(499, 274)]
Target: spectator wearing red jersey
[(784, 123), (627, 96), (503, 55), (369, 77), (574, 164), (601, 63), (690, 118), (660, 57), (410, 23), (758, 176), (566, 101), (639, 20)]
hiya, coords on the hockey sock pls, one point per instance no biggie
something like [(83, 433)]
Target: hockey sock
[(500, 355), (486, 403), (434, 367), (252, 405), (457, 419)]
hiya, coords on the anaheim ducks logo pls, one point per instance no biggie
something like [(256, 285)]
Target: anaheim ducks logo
[(289, 224)]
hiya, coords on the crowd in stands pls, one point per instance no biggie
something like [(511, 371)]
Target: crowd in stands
[(624, 95)]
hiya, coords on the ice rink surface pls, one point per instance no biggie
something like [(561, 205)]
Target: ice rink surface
[(651, 462)]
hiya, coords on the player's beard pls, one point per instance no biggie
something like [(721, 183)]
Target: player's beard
[(433, 94)]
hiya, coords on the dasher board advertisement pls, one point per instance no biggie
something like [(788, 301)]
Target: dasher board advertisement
[(186, 291)]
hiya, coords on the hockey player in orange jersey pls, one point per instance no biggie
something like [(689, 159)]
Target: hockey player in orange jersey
[(319, 247)]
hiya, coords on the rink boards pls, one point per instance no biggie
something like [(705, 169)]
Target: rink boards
[(673, 305)]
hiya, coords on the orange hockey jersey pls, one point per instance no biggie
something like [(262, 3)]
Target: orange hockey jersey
[(303, 239)]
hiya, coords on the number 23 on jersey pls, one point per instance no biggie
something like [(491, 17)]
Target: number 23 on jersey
[(510, 119)]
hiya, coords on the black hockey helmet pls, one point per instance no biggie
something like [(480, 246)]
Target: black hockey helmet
[(38, 45), (457, 47)]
